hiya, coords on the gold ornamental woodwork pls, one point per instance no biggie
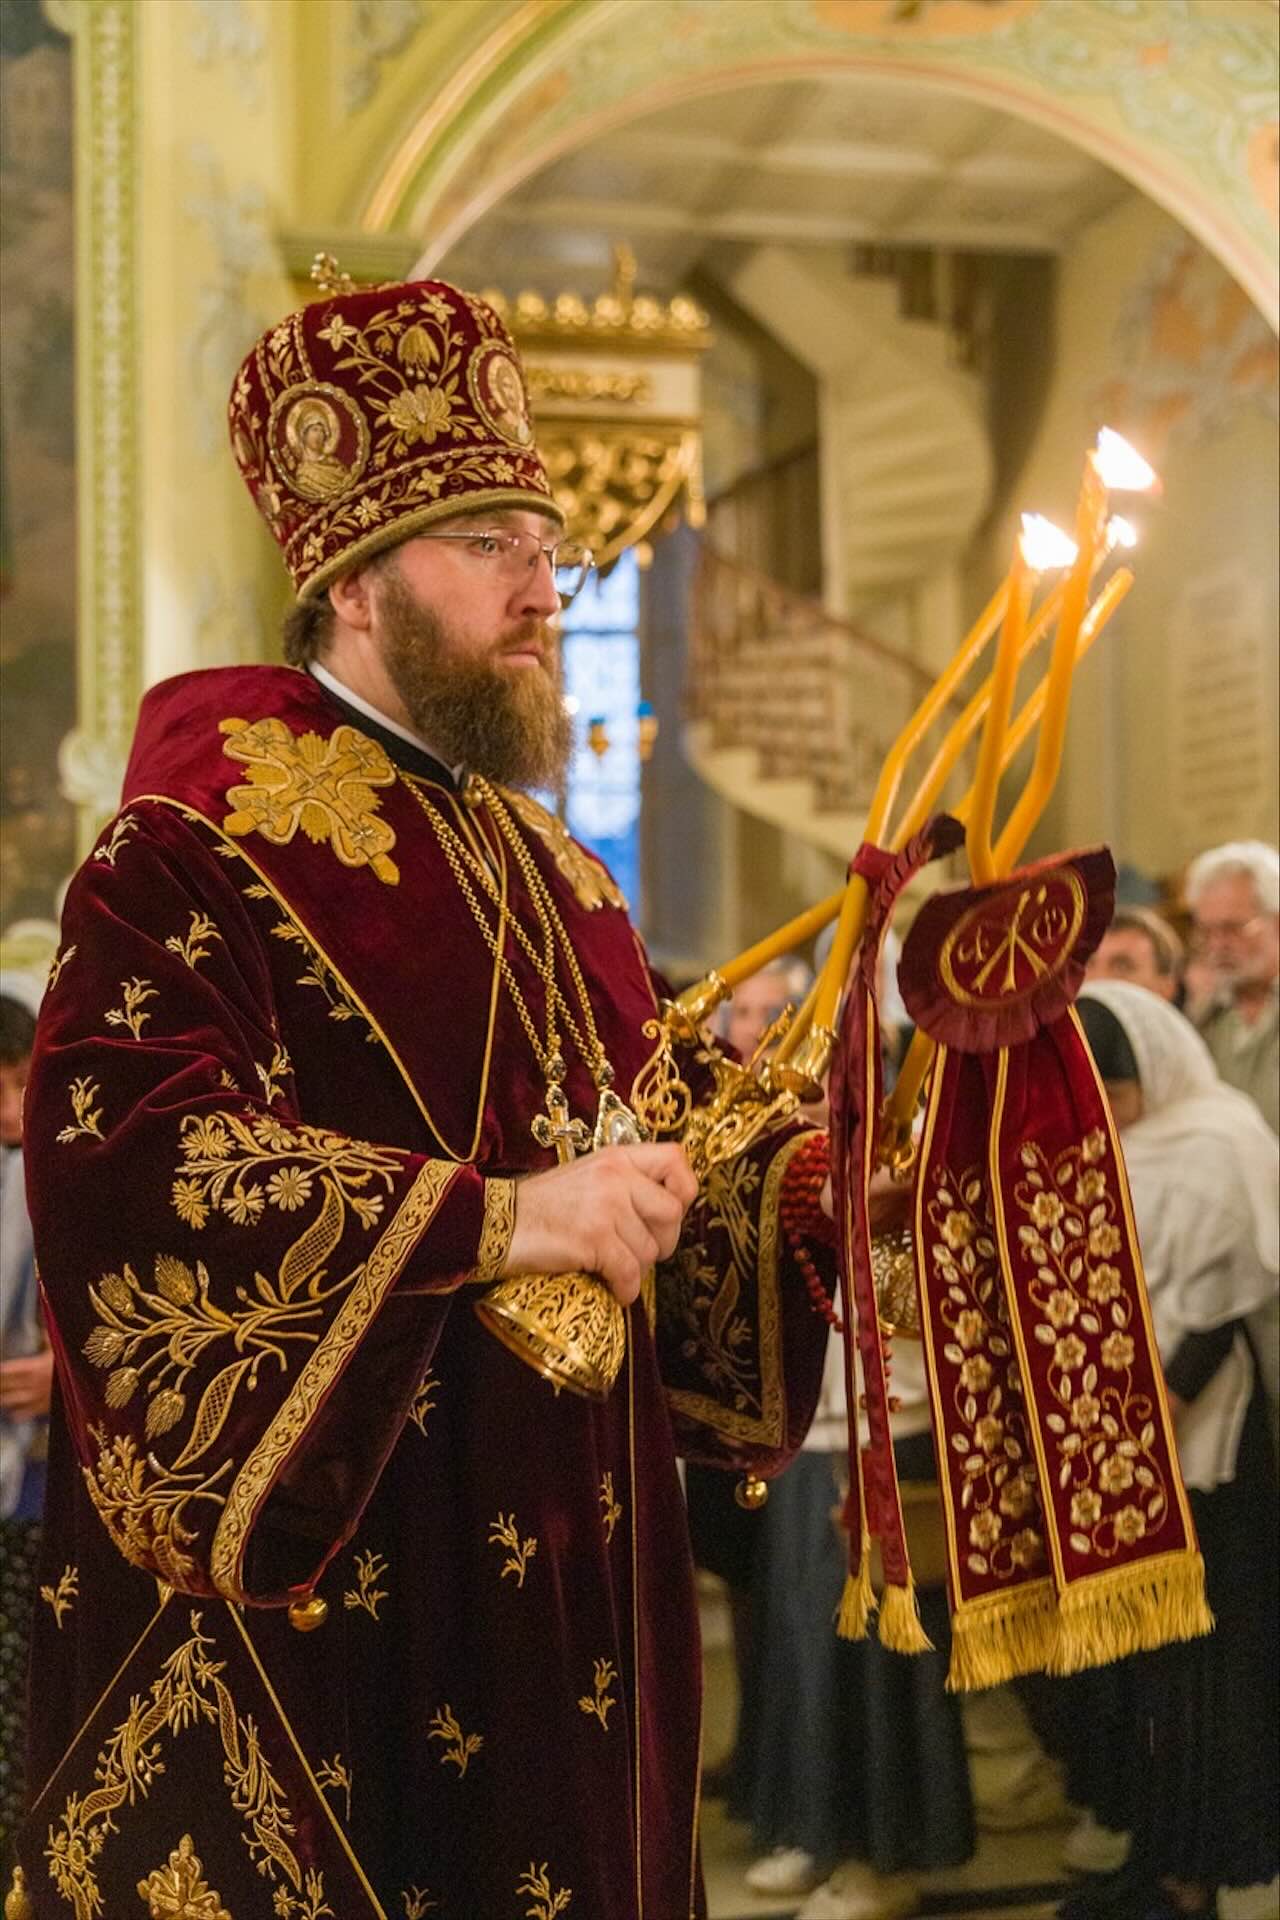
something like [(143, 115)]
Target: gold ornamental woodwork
[(613, 384)]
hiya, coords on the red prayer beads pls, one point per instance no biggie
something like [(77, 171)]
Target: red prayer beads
[(800, 1210)]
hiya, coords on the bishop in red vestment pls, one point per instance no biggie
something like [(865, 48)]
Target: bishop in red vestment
[(354, 1614)]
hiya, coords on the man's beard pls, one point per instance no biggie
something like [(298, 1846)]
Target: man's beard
[(508, 723)]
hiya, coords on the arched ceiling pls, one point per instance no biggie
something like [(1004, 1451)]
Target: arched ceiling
[(833, 162), (1177, 96)]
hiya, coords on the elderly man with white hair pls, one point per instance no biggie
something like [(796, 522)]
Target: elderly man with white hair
[(1233, 892)]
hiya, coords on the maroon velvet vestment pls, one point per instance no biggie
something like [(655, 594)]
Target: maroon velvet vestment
[(279, 1097)]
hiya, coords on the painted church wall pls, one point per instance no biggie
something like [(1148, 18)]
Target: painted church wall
[(37, 463), (1173, 733)]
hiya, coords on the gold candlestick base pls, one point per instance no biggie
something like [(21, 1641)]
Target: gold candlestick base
[(567, 1326), (804, 1072)]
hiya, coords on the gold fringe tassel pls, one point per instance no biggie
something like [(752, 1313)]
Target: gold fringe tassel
[(901, 1628), (1130, 1611), (1095, 1622), (857, 1600), (993, 1641)]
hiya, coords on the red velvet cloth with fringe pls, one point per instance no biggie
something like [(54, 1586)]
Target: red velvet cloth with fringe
[(1070, 1538)]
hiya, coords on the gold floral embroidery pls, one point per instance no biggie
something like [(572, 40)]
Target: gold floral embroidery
[(156, 1336), (88, 1118), (459, 1748), (497, 1227), (1106, 1431), (703, 1294), (370, 1568), (418, 1903), (144, 1510), (121, 829), (189, 1692), (423, 1401), (323, 786), (696, 1300), (371, 1282), (273, 1077), (503, 1532), (320, 974), (310, 1904), (602, 1701), (221, 1150), (63, 1598), (55, 971), (332, 1774), (190, 949), (610, 1509), (537, 1885), (592, 886), (130, 1015), (180, 1889), (999, 1491)]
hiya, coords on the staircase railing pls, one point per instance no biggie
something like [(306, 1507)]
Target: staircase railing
[(812, 696)]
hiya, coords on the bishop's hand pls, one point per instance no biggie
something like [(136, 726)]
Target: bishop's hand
[(616, 1213)]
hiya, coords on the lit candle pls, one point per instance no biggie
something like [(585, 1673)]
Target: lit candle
[(1055, 550), (1113, 463), (1004, 680), (901, 1104)]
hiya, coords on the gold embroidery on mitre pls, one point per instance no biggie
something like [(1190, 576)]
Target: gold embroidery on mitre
[(181, 1888), (323, 786), (592, 886)]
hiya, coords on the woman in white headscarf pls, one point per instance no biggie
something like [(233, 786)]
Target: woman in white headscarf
[(1204, 1173)]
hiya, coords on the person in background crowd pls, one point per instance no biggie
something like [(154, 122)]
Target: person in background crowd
[(1142, 948), (26, 1375), (722, 1532), (758, 1002), (1181, 1744), (857, 1772), (1233, 892)]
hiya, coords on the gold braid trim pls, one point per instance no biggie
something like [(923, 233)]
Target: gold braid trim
[(496, 1232), (382, 1269), (769, 1426)]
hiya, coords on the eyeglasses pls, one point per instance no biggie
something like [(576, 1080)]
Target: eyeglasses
[(512, 553), (1204, 935)]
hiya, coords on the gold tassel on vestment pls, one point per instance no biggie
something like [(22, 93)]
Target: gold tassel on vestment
[(996, 1640), (901, 1628), (857, 1600), (1131, 1610)]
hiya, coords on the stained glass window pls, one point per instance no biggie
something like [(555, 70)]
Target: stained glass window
[(601, 654)]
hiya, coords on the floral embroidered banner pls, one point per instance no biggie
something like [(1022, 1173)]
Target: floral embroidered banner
[(1070, 1539)]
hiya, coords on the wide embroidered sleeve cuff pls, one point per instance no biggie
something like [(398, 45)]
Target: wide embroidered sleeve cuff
[(495, 1233)]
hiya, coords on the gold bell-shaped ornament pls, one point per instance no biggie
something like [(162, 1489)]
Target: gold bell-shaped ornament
[(17, 1902), (308, 1611), (751, 1492), (567, 1326)]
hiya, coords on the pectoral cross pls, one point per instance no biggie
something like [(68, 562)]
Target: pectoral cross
[(555, 1129)]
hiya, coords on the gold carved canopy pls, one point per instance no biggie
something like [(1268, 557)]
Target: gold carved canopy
[(614, 389)]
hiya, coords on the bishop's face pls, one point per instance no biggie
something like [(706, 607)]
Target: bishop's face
[(467, 644)]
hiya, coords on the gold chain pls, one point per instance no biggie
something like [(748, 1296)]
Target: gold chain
[(468, 868)]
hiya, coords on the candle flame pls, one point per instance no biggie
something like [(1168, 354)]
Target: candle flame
[(1045, 546), (1120, 532), (1122, 467)]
